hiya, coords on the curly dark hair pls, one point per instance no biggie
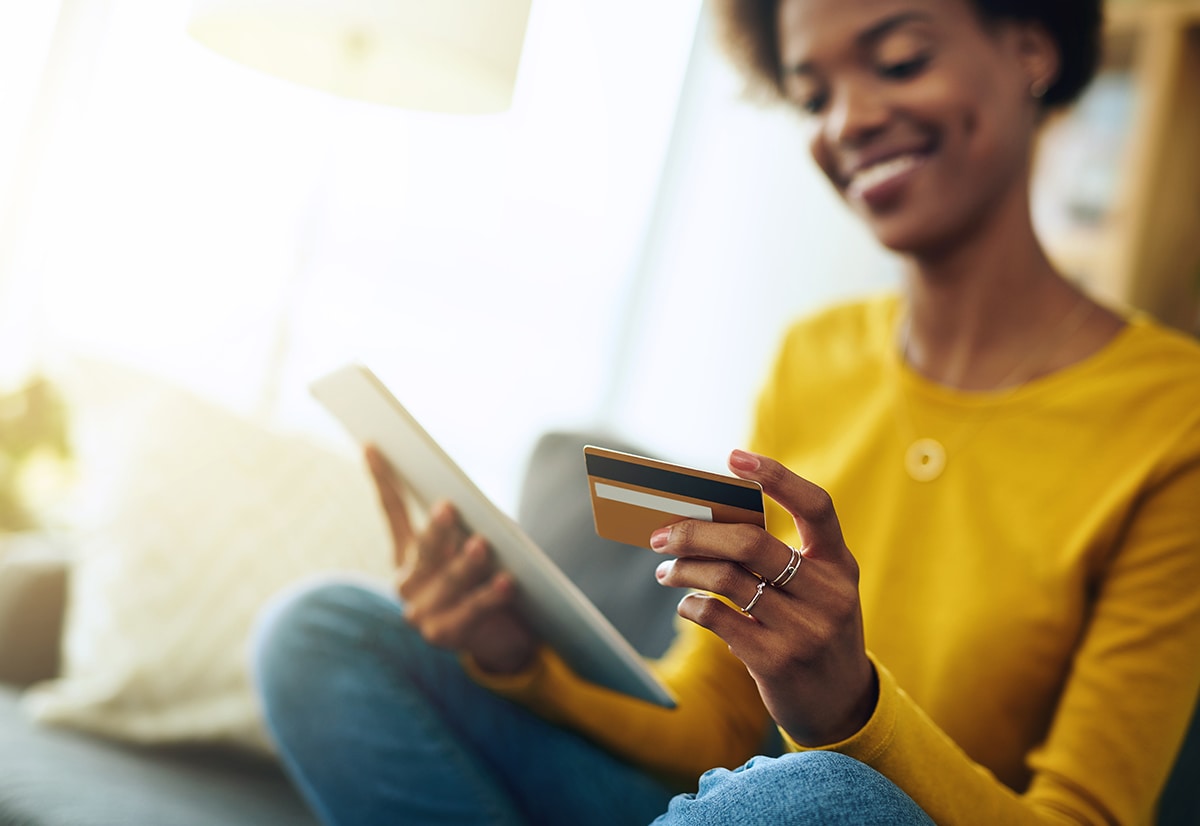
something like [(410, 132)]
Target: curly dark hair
[(746, 30)]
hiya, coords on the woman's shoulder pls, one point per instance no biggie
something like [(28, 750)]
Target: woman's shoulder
[(1148, 379), (1152, 357), (837, 349), (851, 327), (1173, 349)]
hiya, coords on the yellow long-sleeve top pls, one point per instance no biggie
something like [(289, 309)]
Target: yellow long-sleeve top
[(1033, 613)]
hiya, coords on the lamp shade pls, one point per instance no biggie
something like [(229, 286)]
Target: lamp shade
[(436, 55)]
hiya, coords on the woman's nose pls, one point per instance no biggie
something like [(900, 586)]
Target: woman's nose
[(855, 114)]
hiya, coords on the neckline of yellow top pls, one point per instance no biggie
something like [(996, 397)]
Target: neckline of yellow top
[(925, 456), (889, 333)]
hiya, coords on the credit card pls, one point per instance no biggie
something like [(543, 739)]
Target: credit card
[(633, 496)]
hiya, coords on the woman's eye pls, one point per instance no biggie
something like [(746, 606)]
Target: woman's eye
[(904, 69), (808, 101), (812, 105)]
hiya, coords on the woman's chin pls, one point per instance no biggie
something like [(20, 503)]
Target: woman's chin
[(914, 241), (917, 235)]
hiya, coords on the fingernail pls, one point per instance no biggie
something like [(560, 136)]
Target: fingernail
[(742, 460), (663, 569), (660, 538)]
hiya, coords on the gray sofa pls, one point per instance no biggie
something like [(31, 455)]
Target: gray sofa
[(54, 777), (59, 777)]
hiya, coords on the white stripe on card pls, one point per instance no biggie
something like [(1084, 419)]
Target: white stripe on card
[(665, 504)]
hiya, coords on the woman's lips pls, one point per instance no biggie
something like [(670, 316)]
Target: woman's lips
[(878, 183)]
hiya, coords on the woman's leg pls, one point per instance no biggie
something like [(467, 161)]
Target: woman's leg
[(807, 788), (376, 726)]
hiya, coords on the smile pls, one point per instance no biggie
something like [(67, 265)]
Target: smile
[(878, 180)]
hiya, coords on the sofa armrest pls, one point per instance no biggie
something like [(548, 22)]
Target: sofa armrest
[(33, 577)]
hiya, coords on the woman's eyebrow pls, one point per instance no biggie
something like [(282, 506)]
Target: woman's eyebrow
[(867, 38), (889, 24)]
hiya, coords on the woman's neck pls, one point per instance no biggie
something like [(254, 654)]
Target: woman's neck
[(980, 310)]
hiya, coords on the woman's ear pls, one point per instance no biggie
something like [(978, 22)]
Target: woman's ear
[(1038, 55)]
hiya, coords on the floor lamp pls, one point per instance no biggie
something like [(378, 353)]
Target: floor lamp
[(433, 55)]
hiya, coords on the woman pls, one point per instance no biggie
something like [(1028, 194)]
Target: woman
[(1016, 468)]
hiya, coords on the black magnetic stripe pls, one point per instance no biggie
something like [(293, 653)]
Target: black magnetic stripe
[(669, 481)]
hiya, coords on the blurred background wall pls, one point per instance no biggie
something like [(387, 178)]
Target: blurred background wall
[(620, 249)]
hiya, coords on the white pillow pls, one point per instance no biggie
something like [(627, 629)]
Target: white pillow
[(189, 518)]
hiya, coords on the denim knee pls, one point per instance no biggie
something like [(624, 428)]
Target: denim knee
[(312, 623), (804, 788)]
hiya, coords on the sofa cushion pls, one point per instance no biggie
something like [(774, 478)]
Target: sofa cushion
[(556, 511), (56, 777), (120, 783), (189, 518)]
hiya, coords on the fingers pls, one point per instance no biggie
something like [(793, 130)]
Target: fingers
[(761, 624), (748, 545), (455, 627), (733, 582), (451, 590), (810, 506), (812, 589), (749, 594), (391, 499), (441, 540), (445, 604), (751, 546), (446, 563), (469, 608), (746, 594), (414, 553), (730, 560), (756, 621), (793, 617), (730, 622)]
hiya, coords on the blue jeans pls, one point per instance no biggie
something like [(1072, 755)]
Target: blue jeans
[(375, 726)]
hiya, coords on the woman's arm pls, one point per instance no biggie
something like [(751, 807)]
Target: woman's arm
[(719, 719), (1130, 688), (1123, 712)]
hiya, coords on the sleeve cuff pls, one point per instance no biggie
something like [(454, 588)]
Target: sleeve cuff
[(514, 686), (876, 735)]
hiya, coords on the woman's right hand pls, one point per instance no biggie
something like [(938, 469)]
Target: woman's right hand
[(453, 593)]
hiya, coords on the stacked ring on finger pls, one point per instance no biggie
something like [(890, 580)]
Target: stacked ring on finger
[(762, 584), (785, 576)]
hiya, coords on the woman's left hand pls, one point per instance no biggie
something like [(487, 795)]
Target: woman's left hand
[(802, 641)]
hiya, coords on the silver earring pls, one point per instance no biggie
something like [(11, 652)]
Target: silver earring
[(1038, 89)]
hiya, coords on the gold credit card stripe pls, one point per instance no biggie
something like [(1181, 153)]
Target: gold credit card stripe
[(720, 511), (653, 501), (672, 480)]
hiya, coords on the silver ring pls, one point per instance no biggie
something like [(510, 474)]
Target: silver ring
[(762, 584), (785, 576)]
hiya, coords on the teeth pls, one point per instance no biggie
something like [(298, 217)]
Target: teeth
[(876, 174)]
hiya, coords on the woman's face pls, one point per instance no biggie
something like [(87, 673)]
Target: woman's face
[(920, 116)]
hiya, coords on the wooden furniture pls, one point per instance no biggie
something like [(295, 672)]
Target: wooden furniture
[(1127, 225)]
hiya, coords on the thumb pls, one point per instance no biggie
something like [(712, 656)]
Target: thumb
[(391, 497)]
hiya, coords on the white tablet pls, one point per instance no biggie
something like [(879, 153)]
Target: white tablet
[(552, 604)]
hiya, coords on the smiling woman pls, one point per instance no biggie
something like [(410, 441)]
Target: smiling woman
[(976, 598), (964, 90)]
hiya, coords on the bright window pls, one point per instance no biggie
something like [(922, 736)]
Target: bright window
[(192, 215)]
